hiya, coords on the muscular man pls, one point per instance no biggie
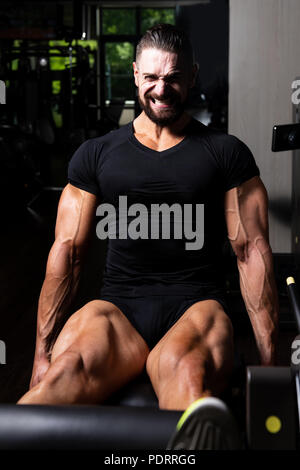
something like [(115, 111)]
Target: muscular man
[(162, 300)]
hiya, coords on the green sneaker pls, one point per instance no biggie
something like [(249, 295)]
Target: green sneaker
[(207, 424)]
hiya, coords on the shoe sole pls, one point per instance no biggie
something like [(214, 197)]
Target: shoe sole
[(206, 425)]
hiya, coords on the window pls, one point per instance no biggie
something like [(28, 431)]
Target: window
[(118, 64), (118, 33), (118, 21), (152, 16)]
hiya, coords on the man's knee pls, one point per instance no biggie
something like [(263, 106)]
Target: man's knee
[(191, 366), (66, 382), (173, 359), (193, 363), (69, 363), (179, 375)]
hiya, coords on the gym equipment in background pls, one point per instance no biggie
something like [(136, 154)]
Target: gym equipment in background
[(29, 137), (286, 137), (273, 395)]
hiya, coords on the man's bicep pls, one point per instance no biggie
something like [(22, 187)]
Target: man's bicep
[(75, 216), (246, 213)]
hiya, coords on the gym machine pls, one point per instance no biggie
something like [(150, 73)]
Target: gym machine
[(273, 393), (129, 420), (29, 137), (273, 397)]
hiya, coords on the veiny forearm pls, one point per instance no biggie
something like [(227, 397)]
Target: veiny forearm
[(58, 291), (259, 291)]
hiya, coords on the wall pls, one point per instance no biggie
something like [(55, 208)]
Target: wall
[(264, 59), (207, 26)]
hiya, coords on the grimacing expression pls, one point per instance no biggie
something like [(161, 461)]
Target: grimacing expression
[(163, 82)]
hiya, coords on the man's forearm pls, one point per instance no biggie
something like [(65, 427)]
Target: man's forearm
[(259, 292), (58, 291)]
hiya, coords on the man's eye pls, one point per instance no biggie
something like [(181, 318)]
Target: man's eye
[(174, 78), (149, 78)]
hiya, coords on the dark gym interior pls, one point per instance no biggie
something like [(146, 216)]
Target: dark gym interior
[(68, 75)]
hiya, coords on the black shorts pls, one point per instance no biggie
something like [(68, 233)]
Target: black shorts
[(152, 316)]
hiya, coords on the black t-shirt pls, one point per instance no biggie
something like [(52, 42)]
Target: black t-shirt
[(196, 171)]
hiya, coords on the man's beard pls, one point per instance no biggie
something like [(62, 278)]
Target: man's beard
[(163, 117)]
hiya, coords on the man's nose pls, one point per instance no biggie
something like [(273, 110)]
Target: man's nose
[(160, 87)]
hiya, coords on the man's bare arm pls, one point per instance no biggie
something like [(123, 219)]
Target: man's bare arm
[(246, 212), (74, 226)]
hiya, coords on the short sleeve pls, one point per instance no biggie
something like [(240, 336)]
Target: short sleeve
[(82, 169), (238, 163)]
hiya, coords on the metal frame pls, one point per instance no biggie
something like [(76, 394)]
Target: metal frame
[(106, 38), (146, 3), (295, 226)]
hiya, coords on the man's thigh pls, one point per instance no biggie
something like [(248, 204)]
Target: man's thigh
[(107, 342), (203, 331)]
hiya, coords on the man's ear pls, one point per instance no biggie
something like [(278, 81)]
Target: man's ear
[(135, 73), (194, 75)]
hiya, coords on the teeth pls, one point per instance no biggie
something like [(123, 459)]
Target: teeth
[(159, 101)]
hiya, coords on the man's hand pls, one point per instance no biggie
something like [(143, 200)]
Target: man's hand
[(40, 368)]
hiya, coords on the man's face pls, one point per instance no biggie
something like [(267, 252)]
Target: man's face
[(163, 81)]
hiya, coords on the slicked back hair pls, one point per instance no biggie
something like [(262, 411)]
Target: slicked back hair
[(167, 38)]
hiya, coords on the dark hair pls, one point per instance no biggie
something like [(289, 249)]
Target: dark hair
[(168, 38)]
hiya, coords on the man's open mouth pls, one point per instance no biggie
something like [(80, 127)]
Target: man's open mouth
[(161, 103)]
